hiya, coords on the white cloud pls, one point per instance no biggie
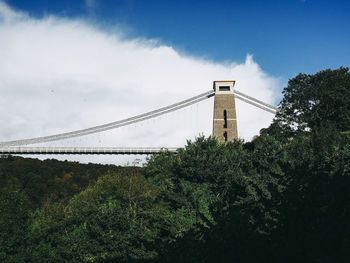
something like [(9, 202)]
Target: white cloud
[(58, 75)]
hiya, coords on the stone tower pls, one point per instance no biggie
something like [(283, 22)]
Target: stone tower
[(225, 122)]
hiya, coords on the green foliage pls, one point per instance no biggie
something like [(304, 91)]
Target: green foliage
[(119, 218), (49, 181), (315, 206), (229, 187), (14, 213), (312, 100), (269, 199)]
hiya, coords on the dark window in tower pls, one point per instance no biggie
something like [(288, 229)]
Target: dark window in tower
[(225, 136), (225, 119), (224, 88)]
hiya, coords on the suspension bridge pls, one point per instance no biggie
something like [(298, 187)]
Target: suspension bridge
[(223, 102)]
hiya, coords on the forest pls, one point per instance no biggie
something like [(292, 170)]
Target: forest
[(282, 197)]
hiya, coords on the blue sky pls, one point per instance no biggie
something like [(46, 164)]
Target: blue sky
[(285, 37)]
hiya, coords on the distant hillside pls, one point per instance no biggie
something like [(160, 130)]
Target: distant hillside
[(50, 180)]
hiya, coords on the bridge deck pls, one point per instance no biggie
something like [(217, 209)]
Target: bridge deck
[(85, 150)]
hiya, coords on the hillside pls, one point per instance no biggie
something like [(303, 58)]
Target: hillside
[(50, 180)]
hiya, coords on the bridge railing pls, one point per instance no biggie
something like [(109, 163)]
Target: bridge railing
[(85, 150)]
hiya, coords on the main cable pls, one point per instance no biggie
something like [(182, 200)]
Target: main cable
[(254, 99), (112, 125), (255, 104)]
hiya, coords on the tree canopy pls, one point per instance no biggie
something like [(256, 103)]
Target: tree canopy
[(311, 101)]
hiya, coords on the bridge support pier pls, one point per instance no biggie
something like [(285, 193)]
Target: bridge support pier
[(225, 121)]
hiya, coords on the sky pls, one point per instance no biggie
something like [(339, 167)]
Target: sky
[(67, 65), (286, 37)]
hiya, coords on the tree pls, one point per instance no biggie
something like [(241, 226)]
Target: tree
[(315, 208), (231, 189), (14, 212), (118, 219), (310, 101)]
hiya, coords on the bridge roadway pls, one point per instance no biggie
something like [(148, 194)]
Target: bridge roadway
[(85, 150)]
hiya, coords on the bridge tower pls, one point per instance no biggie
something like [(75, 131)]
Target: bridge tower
[(225, 122)]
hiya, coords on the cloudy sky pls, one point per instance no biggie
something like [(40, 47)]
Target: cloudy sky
[(67, 65)]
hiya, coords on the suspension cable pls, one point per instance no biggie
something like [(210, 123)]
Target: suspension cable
[(113, 125), (255, 104), (254, 99)]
